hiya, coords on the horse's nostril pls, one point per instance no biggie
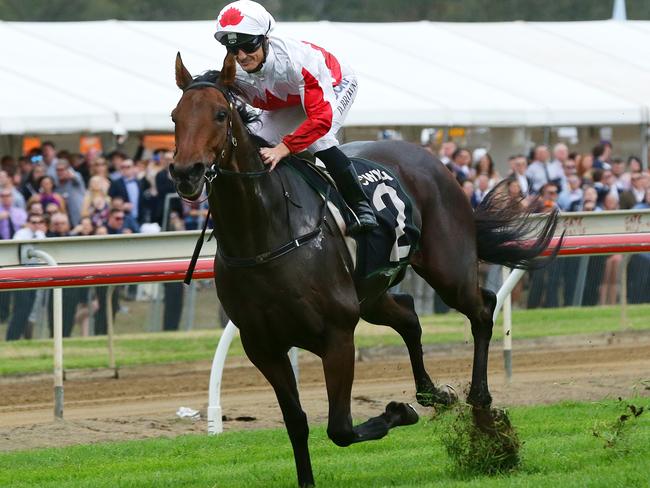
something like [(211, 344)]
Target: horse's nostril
[(197, 169)]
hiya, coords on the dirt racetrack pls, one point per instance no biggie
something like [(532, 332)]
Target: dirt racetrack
[(143, 402)]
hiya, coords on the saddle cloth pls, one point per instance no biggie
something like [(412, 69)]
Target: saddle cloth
[(381, 255)]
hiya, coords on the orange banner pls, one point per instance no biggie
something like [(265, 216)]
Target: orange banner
[(159, 141), (30, 143), (88, 143)]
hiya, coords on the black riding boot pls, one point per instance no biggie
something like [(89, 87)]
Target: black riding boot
[(347, 180)]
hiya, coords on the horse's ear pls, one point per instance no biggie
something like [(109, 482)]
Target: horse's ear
[(183, 77), (227, 75)]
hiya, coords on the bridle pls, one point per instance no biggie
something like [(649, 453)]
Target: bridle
[(217, 170)]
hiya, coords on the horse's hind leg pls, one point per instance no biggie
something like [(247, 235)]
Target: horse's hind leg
[(457, 285), (277, 370), (338, 365), (398, 312)]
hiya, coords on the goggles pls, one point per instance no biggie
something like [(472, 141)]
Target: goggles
[(249, 44)]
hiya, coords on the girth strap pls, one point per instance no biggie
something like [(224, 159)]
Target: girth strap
[(268, 256)]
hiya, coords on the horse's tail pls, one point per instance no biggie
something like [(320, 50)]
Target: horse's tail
[(506, 234)]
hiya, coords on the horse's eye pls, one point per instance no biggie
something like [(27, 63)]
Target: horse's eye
[(220, 116)]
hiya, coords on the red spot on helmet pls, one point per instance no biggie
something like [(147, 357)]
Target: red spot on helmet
[(232, 16)]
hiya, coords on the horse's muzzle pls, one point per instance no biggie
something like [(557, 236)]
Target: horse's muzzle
[(188, 179)]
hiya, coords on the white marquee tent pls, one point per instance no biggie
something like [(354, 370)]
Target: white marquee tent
[(88, 76)]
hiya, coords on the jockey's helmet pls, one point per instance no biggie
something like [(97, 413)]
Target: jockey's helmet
[(243, 22)]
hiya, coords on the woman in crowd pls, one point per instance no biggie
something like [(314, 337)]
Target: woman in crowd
[(485, 166), (47, 196), (96, 203), (30, 187), (584, 167)]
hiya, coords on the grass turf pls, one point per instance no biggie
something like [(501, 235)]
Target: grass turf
[(559, 450), (21, 357)]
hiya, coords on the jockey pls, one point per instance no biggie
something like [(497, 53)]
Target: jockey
[(305, 94)]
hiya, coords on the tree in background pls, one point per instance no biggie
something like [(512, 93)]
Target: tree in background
[(335, 10)]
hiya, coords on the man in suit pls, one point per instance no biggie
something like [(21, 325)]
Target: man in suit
[(135, 192)]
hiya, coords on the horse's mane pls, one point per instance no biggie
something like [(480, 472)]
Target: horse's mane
[(247, 115)]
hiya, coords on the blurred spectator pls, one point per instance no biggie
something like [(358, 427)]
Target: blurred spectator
[(84, 228), (99, 167), (468, 190), (460, 164), (30, 187), (165, 186), (636, 193), (23, 300), (485, 166), (48, 151), (645, 203), (60, 227), (514, 191), (447, 150), (572, 194), (618, 172), (173, 306), (115, 160), (71, 187), (609, 286), (547, 201), (482, 189), (542, 170), (96, 202), (588, 202), (131, 190), (585, 163), (7, 183), (46, 194), (545, 282), (519, 165), (130, 225), (570, 166), (12, 218), (81, 165), (115, 223), (601, 154)]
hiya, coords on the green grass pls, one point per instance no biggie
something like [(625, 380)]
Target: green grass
[(21, 357), (559, 450)]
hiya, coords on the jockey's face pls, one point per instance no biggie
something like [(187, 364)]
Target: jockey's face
[(250, 62)]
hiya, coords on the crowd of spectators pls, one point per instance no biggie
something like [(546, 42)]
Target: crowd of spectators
[(56, 193), (50, 193), (570, 181)]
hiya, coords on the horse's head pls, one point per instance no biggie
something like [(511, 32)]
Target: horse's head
[(201, 120)]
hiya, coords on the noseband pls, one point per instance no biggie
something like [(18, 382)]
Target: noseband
[(216, 169)]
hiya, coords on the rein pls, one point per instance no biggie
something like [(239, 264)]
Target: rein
[(216, 170)]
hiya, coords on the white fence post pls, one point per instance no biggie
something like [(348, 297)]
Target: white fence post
[(503, 296), (215, 424), (57, 333)]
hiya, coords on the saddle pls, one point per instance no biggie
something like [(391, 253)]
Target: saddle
[(381, 255)]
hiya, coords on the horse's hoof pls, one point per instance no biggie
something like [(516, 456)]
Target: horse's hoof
[(446, 397), (404, 413)]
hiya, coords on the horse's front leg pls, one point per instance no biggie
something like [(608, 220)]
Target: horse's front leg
[(338, 365), (276, 368)]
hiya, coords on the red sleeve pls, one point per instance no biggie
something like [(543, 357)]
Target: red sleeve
[(319, 115)]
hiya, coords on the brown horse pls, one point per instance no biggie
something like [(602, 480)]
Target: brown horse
[(283, 273)]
